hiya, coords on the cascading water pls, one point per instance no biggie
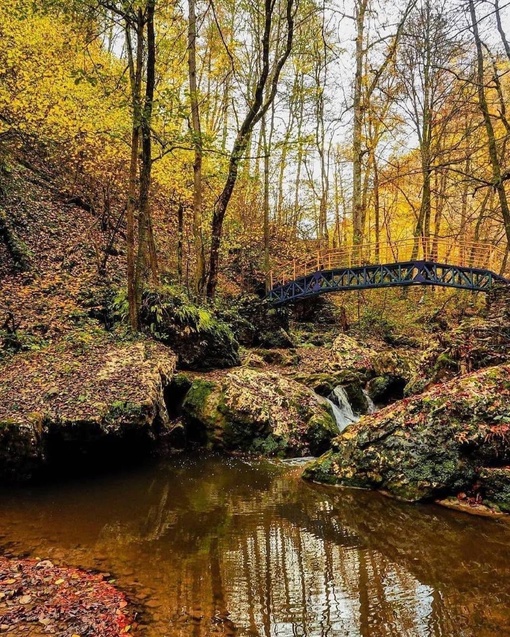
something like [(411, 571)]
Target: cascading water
[(371, 405), (342, 409)]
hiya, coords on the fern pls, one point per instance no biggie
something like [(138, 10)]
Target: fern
[(168, 311)]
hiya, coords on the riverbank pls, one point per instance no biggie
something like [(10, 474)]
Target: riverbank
[(76, 389), (449, 440), (94, 398), (39, 598), (81, 400)]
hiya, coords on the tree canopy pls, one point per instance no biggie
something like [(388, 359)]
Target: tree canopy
[(220, 139)]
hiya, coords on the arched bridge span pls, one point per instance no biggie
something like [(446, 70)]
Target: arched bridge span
[(468, 266)]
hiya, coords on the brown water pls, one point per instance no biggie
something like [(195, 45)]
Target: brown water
[(216, 546)]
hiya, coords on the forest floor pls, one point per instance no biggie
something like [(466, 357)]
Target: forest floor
[(50, 252)]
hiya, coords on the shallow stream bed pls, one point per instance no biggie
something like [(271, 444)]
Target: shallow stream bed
[(220, 546)]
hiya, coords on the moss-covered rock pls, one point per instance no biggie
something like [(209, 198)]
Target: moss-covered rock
[(278, 357), (20, 448), (259, 412), (353, 355), (395, 363), (478, 342), (495, 487), (429, 446), (255, 323), (384, 390), (323, 383), (71, 399), (275, 338)]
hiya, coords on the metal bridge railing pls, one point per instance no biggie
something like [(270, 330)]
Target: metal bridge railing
[(480, 255)]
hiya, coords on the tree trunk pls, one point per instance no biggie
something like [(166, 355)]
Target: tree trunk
[(357, 134), (180, 237), (361, 103), (146, 262), (265, 147), (199, 275), (422, 229), (497, 181), (377, 209), (257, 110), (135, 61), (299, 162), (285, 150), (501, 30)]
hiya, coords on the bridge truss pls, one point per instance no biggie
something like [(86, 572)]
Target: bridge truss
[(468, 267)]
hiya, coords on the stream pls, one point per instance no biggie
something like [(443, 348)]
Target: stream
[(212, 545)]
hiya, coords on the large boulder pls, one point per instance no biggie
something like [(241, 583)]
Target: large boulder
[(322, 369), (323, 383), (373, 360), (255, 323), (353, 364), (260, 357), (205, 351), (454, 440), (70, 400), (260, 412), (351, 354), (393, 370)]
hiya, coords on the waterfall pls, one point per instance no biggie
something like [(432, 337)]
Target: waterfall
[(342, 410), (371, 405)]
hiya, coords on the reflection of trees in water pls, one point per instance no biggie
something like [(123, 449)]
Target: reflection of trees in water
[(313, 563), (283, 566), (224, 550), (297, 583), (464, 560)]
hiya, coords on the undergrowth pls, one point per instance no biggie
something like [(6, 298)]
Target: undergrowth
[(168, 308)]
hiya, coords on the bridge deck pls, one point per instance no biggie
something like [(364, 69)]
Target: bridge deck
[(470, 266)]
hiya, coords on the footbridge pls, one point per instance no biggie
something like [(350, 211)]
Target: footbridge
[(474, 266)]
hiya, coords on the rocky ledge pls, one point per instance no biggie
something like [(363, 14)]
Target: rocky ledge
[(452, 441), (259, 412), (382, 370), (79, 396), (476, 343)]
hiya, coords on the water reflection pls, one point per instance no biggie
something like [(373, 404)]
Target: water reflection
[(223, 547)]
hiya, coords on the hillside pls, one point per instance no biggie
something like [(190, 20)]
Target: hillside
[(51, 253)]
